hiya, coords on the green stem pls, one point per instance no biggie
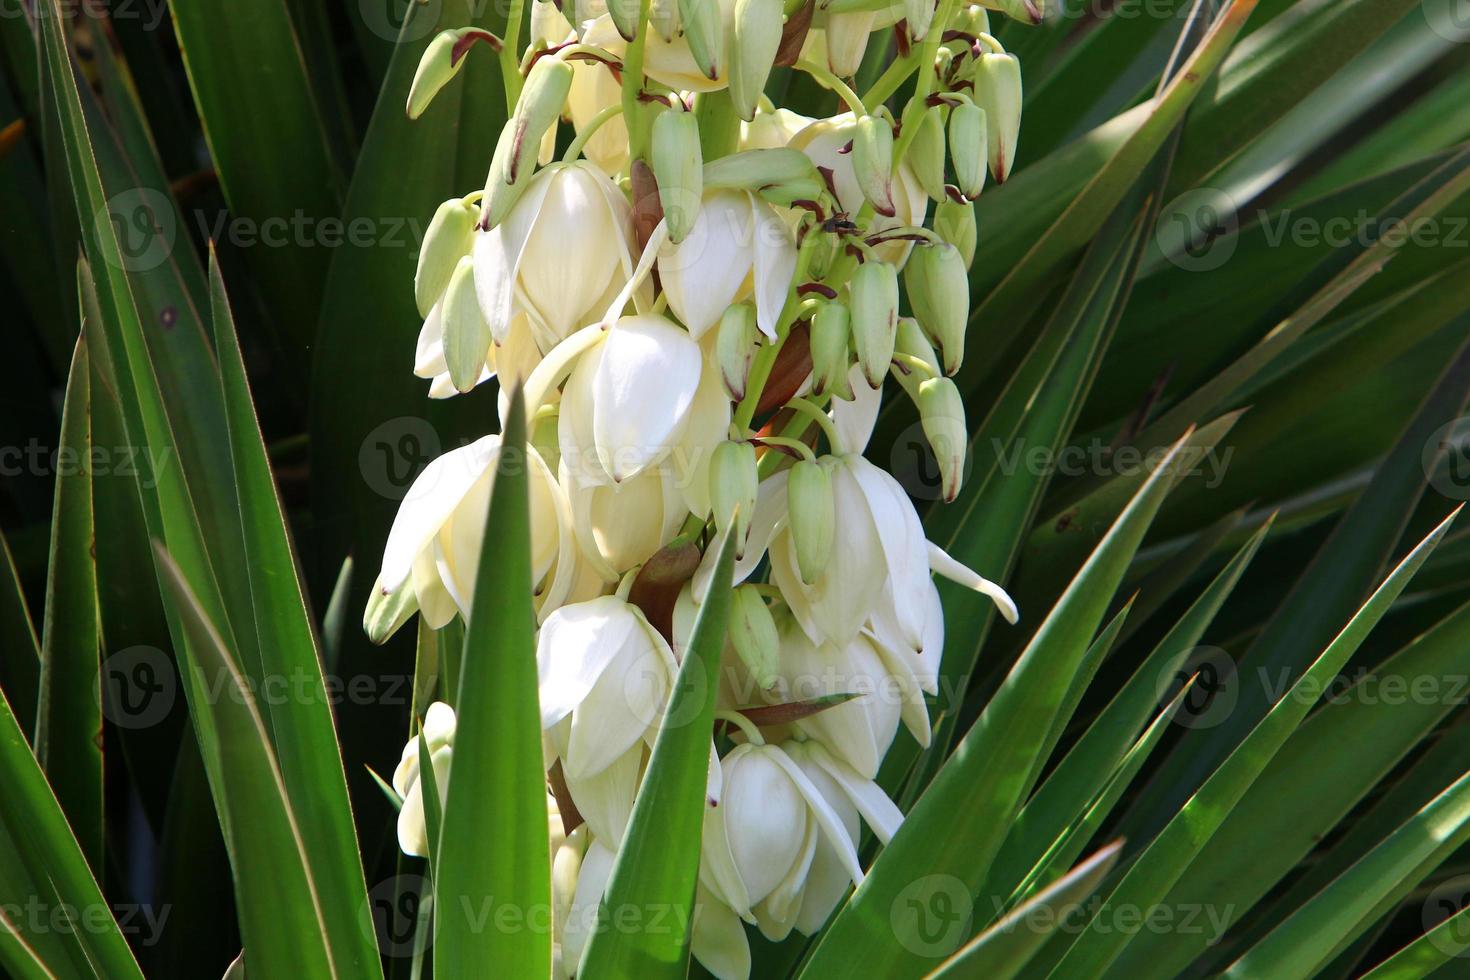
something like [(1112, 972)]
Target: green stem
[(510, 68), (632, 85), (824, 422), (828, 80), (752, 733), (574, 149), (924, 84), (796, 444)]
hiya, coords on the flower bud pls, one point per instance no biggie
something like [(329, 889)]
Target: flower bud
[(942, 414), (780, 175), (998, 92), (466, 334), (873, 302), (911, 341), (735, 346), (955, 223), (972, 19), (847, 40), (624, 14), (939, 292), (540, 106), (663, 15), (439, 64), (449, 237), (678, 166), (967, 147), (734, 482), (926, 154), (704, 32), (753, 634), (872, 162), (812, 517), (757, 36), (830, 330), (1026, 11)]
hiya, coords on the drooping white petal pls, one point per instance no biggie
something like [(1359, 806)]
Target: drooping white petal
[(942, 564), (854, 420), (645, 383), (618, 711), (574, 648), (775, 265), (436, 605), (497, 256), (597, 865), (765, 819), (572, 252), (777, 914), (860, 730), (708, 425), (904, 546), (605, 799), (718, 939), (430, 500), (428, 356), (878, 811), (717, 870), (706, 272), (821, 811), (827, 880)]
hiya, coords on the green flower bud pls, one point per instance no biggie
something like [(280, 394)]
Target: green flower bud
[(753, 634), (998, 92), (449, 238), (872, 162), (942, 414), (678, 166), (1026, 11), (663, 16), (967, 147), (624, 14), (735, 347), (955, 223), (873, 303), (438, 65), (911, 341), (757, 37), (830, 330), (538, 109), (780, 175), (466, 334), (820, 250), (972, 19), (939, 293), (926, 154), (704, 32), (386, 613), (811, 508), (734, 482)]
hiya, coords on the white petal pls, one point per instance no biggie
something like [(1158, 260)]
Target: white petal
[(777, 914), (574, 648), (616, 714), (597, 865), (855, 419), (497, 253), (718, 940), (765, 819), (605, 799), (645, 383), (429, 503), (775, 265), (822, 811), (880, 813), (717, 870), (708, 425), (572, 252), (942, 564), (904, 546), (861, 730), (428, 357), (706, 272), (827, 880)]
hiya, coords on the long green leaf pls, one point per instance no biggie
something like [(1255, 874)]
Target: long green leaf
[(951, 838), (1436, 948), (658, 863), (301, 727), (33, 820), (1168, 855), (494, 846), (20, 668), (1306, 940), (1002, 951), (281, 915), (69, 719)]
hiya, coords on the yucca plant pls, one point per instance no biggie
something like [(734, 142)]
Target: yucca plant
[(1153, 314)]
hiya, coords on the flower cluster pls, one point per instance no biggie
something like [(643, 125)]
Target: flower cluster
[(701, 296)]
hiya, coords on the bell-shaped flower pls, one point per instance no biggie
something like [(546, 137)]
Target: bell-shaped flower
[(880, 564), (434, 544), (761, 842), (825, 142), (438, 734), (738, 248), (772, 130), (561, 255), (607, 672), (858, 731)]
